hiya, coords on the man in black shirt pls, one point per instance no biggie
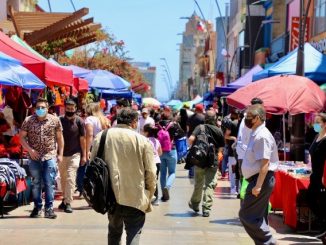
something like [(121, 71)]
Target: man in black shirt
[(196, 119), (206, 178), (74, 153)]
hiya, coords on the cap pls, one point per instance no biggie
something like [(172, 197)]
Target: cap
[(145, 110), (199, 107)]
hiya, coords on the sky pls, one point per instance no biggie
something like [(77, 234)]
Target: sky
[(149, 28)]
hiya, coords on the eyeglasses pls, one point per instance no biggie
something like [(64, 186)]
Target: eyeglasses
[(40, 107)]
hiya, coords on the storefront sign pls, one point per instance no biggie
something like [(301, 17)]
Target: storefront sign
[(295, 27), (319, 42)]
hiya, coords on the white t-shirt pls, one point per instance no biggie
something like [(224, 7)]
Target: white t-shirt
[(96, 123)]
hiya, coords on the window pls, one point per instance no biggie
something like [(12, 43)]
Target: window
[(320, 16)]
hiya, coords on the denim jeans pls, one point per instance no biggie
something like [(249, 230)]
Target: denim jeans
[(80, 177), (43, 172), (168, 165), (225, 160), (133, 220)]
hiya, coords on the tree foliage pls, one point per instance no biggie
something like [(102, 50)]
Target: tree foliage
[(107, 54)]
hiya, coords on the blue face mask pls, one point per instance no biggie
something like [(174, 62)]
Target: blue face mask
[(317, 127), (40, 112)]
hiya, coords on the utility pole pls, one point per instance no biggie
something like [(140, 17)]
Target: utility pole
[(298, 121)]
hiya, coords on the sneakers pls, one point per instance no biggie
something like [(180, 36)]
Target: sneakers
[(166, 195), (62, 206), (49, 214), (68, 208), (205, 214), (196, 210), (156, 202), (36, 213)]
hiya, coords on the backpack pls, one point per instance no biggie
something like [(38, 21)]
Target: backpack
[(97, 183), (164, 138), (202, 153)]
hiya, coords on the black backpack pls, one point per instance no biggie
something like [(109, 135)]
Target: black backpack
[(97, 183), (202, 153)]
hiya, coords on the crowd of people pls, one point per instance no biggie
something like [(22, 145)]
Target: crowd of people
[(141, 149)]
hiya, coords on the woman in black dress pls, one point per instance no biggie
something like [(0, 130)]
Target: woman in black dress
[(316, 189)]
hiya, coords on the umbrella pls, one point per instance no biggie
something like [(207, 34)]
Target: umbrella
[(282, 94), (79, 71), (13, 74), (106, 80), (151, 101)]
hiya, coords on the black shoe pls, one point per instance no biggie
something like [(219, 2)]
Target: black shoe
[(68, 208), (205, 214), (238, 196), (166, 195), (192, 207), (49, 214), (62, 205), (36, 213)]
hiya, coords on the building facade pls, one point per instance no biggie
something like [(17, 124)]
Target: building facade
[(149, 74), (197, 58)]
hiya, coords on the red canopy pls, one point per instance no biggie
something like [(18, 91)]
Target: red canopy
[(281, 94), (80, 84), (45, 70)]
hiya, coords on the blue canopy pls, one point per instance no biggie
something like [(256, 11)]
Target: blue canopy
[(12, 73), (106, 80), (124, 93), (79, 71), (314, 65), (224, 91)]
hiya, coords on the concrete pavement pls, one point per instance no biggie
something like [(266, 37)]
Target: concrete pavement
[(170, 223)]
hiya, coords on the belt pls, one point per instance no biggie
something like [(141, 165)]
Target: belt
[(255, 176)]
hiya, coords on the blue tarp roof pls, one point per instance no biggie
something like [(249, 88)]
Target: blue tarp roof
[(314, 65)]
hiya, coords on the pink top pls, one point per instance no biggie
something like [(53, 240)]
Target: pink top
[(156, 145)]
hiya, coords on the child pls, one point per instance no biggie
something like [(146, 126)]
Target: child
[(149, 132)]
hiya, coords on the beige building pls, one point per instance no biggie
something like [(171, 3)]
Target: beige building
[(192, 70)]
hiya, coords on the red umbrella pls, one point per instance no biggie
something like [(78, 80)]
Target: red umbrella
[(281, 94)]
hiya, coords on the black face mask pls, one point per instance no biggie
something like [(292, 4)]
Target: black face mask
[(248, 122), (70, 113)]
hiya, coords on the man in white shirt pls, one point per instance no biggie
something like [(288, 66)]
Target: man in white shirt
[(258, 166), (144, 119)]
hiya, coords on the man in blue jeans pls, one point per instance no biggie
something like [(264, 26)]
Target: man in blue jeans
[(40, 134)]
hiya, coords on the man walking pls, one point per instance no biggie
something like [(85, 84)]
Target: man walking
[(39, 135), (145, 119), (74, 153), (205, 178), (259, 162), (133, 175)]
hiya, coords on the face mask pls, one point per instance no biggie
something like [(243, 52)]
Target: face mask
[(317, 127), (40, 112), (70, 113), (249, 123)]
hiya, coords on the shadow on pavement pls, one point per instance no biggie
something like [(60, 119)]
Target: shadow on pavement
[(183, 215), (8, 216), (234, 221)]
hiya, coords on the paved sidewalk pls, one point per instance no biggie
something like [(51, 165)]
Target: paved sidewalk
[(170, 223)]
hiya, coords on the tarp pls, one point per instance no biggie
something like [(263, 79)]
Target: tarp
[(12, 73), (80, 84), (246, 78), (314, 65), (45, 70), (25, 45), (117, 93)]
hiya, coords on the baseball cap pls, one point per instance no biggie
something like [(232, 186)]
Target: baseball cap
[(145, 110), (199, 107)]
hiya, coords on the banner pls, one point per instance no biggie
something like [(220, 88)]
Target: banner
[(295, 27)]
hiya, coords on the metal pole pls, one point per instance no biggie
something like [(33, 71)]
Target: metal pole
[(49, 6), (255, 43), (73, 5), (250, 36), (298, 122)]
